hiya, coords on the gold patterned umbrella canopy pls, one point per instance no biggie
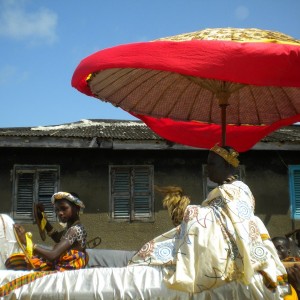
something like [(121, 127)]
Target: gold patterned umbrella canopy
[(253, 75)]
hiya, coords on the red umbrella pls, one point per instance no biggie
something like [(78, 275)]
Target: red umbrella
[(252, 74), (203, 135)]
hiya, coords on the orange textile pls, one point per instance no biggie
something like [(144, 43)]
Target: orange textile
[(70, 260)]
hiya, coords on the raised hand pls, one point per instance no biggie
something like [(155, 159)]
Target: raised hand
[(20, 231), (40, 208)]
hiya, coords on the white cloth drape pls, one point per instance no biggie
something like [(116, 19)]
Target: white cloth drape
[(217, 243), (216, 253), (133, 282), (8, 242)]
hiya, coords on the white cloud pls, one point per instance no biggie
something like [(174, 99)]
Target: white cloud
[(35, 27), (242, 12)]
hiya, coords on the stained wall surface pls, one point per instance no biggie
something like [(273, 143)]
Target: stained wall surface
[(86, 171)]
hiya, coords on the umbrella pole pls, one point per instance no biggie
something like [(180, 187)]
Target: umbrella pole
[(223, 119)]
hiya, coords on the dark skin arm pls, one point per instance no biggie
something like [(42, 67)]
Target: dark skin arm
[(50, 255), (294, 277), (55, 236), (55, 253)]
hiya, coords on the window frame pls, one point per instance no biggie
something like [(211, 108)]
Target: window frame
[(131, 216), (294, 191), (36, 194)]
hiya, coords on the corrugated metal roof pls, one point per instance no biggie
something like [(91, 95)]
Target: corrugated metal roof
[(289, 134), (111, 129), (123, 130)]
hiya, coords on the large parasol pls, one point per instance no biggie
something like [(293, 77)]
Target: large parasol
[(246, 80)]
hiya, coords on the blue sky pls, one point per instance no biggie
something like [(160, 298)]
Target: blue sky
[(43, 41)]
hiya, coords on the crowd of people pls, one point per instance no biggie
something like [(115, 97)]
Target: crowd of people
[(218, 243)]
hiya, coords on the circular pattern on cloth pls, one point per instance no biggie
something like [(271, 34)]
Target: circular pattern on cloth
[(219, 201), (147, 249), (164, 251), (190, 213), (253, 230), (258, 252), (244, 210)]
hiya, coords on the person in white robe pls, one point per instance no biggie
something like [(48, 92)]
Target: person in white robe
[(220, 247)]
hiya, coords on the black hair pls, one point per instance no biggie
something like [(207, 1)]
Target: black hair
[(283, 239), (74, 194)]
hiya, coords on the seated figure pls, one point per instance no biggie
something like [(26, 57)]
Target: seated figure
[(284, 249), (218, 243), (68, 253)]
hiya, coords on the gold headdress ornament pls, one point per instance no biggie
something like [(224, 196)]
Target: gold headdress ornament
[(229, 155), (68, 196)]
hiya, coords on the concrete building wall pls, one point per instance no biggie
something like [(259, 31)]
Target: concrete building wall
[(267, 176), (85, 171)]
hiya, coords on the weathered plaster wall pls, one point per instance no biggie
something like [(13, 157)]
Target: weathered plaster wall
[(267, 176), (86, 172)]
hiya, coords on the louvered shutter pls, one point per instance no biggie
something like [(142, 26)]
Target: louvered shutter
[(24, 195), (34, 184), (131, 192), (142, 193), (120, 193), (294, 182), (47, 186)]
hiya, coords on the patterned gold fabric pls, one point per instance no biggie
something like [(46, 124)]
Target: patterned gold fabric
[(234, 34)]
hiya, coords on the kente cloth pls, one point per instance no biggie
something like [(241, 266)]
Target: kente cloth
[(20, 281), (218, 242), (70, 260)]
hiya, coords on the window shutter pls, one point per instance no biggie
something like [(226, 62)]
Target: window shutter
[(24, 195), (47, 186), (131, 193), (121, 193), (142, 193), (294, 181), (33, 184)]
